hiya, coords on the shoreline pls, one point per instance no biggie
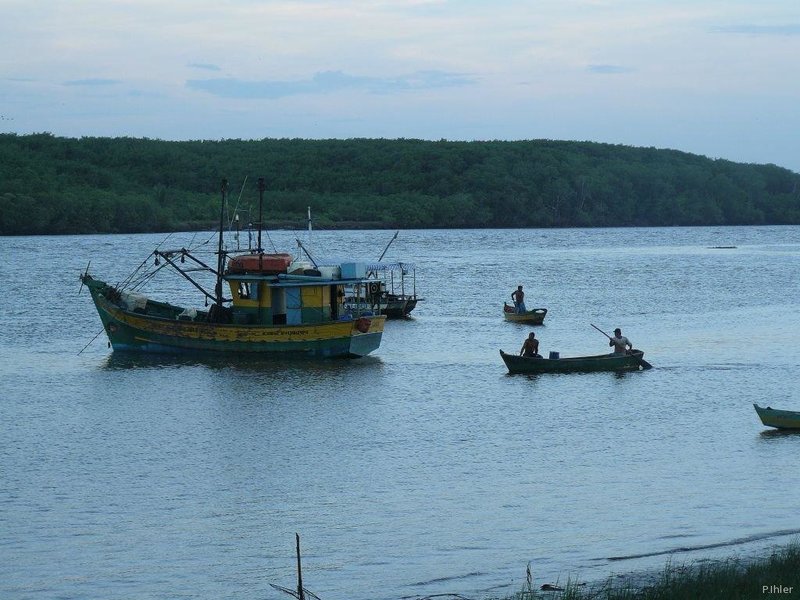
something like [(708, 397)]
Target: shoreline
[(755, 575)]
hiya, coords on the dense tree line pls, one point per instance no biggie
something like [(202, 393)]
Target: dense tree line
[(56, 185)]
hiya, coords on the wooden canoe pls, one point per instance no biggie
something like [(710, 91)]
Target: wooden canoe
[(780, 419), (534, 316), (632, 361)]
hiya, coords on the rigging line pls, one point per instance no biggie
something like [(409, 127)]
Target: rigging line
[(271, 242), (129, 278), (235, 208), (121, 285), (203, 243), (145, 278), (90, 341), (169, 235)]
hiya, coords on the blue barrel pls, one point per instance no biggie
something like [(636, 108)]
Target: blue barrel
[(554, 356)]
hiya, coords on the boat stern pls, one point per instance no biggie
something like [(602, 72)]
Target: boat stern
[(366, 334)]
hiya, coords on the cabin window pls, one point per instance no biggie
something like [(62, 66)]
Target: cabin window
[(244, 290)]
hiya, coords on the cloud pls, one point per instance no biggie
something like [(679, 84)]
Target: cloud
[(92, 82), (790, 29), (204, 66), (327, 82), (608, 69)]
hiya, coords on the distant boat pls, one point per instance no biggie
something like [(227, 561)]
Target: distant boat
[(780, 419), (535, 316), (632, 361), (389, 289), (273, 309)]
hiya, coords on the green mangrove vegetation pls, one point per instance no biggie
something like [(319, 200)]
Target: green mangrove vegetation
[(57, 185)]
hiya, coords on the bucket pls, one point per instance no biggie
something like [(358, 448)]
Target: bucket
[(554, 356)]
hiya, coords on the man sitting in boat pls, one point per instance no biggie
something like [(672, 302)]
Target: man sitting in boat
[(530, 347), (620, 342), (518, 297)]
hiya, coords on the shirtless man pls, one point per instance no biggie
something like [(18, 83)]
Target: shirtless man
[(518, 297), (530, 347)]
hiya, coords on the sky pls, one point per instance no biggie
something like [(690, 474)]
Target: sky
[(710, 77)]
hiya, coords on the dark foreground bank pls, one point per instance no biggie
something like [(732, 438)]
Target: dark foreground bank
[(775, 576)]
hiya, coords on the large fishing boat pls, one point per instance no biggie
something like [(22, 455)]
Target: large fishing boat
[(272, 307)]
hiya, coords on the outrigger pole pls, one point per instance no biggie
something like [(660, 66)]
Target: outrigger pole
[(308, 254), (394, 237)]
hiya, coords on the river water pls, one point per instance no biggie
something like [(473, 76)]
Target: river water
[(424, 468)]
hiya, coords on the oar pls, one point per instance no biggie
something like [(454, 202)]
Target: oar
[(642, 361), (600, 330)]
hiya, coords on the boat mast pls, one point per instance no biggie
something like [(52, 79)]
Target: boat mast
[(261, 187), (220, 254)]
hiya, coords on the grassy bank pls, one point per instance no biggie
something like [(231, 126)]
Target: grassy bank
[(776, 576)]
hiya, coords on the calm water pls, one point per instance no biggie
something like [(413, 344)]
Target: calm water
[(424, 468)]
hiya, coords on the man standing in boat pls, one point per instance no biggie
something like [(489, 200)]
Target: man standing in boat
[(620, 342), (518, 297)]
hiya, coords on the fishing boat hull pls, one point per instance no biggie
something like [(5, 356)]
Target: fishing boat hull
[(602, 362), (780, 419), (165, 330), (399, 307), (534, 316), (392, 308)]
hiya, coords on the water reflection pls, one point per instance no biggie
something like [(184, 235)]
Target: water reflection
[(573, 375), (769, 435), (243, 363)]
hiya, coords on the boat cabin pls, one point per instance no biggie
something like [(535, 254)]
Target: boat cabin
[(266, 293)]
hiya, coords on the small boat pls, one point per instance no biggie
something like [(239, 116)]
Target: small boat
[(272, 308), (780, 419), (631, 361), (535, 316), (390, 289)]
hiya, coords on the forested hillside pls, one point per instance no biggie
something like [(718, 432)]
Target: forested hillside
[(53, 185)]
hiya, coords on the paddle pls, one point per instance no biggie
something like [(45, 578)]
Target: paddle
[(643, 362)]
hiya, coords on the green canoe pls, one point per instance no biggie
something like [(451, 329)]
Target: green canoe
[(780, 419), (632, 361)]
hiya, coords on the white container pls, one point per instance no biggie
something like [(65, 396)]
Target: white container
[(330, 272)]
